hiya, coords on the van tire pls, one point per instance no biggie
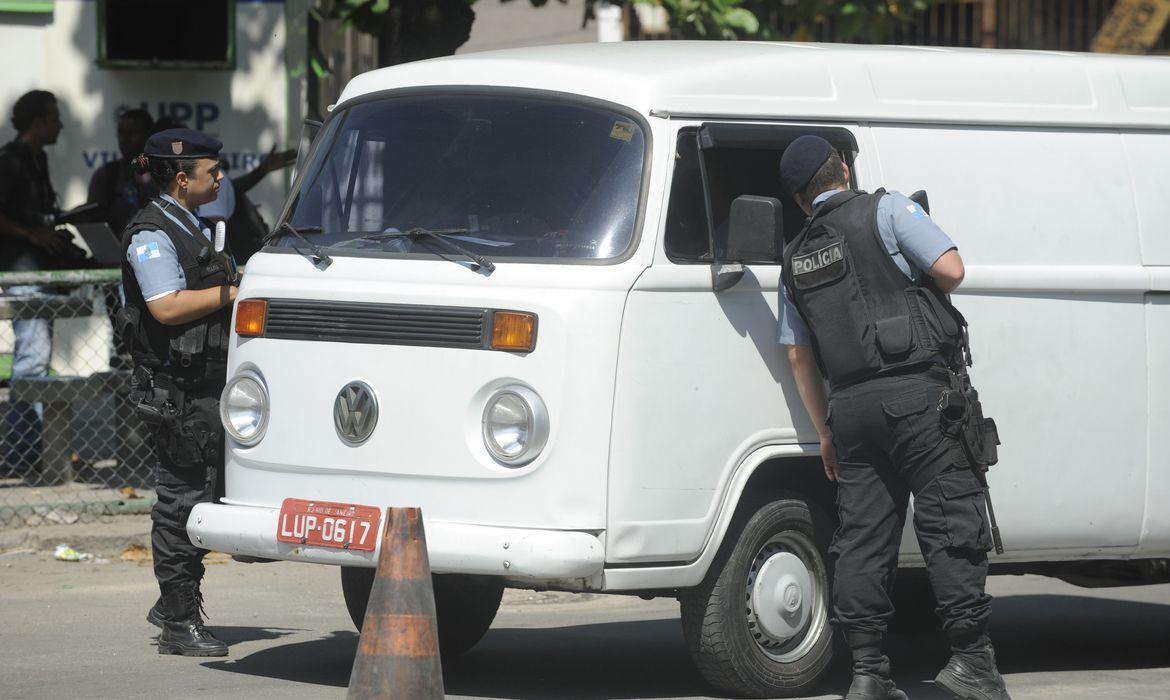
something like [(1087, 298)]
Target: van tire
[(782, 547), (465, 606)]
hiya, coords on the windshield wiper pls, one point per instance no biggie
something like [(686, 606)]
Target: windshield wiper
[(439, 236), (286, 228), (318, 257)]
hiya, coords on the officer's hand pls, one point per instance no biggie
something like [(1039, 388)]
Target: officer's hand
[(51, 240), (829, 457)]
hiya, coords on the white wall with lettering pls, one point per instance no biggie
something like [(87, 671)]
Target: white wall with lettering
[(248, 108)]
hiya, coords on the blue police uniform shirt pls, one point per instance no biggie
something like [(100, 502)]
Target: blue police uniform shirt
[(152, 255), (912, 239)]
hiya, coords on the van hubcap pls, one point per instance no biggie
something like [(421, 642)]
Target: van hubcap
[(786, 609)]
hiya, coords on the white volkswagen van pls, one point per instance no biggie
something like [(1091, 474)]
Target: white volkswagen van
[(511, 289)]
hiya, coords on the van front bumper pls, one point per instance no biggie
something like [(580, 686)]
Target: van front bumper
[(515, 553)]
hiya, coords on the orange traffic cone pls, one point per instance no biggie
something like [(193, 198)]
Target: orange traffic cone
[(398, 655)]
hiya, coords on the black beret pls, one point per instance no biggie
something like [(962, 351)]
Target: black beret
[(182, 143), (801, 160)]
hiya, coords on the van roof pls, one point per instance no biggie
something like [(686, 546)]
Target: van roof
[(719, 79)]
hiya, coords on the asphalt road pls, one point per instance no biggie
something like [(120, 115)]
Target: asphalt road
[(76, 630)]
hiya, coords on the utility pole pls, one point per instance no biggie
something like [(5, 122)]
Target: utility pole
[(988, 25)]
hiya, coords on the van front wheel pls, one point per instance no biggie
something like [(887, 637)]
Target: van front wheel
[(758, 624), (464, 605)]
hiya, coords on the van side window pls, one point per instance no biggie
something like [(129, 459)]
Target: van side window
[(687, 238), (731, 172)]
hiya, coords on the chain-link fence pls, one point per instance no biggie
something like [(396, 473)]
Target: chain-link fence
[(72, 446)]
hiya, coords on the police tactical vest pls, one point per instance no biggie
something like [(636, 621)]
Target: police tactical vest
[(866, 317), (197, 351)]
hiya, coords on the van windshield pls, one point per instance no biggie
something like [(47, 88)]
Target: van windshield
[(503, 176)]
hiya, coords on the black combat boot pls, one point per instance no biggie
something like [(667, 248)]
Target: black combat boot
[(157, 614), (871, 669), (971, 674), (183, 631), (866, 687)]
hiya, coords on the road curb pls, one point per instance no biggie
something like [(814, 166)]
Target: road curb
[(49, 514), (107, 537)]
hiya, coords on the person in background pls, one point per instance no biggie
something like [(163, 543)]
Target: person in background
[(118, 191), (29, 242), (179, 294)]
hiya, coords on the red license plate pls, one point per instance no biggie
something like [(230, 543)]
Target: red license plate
[(323, 524)]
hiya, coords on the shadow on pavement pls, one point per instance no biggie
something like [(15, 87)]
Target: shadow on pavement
[(643, 659), (648, 659), (1070, 633), (236, 635), (1046, 634), (324, 661)]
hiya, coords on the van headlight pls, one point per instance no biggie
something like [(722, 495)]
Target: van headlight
[(243, 408), (515, 425)]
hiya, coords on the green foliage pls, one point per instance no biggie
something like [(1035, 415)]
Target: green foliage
[(869, 21), (710, 19), (369, 15), (408, 30), (366, 16), (413, 29)]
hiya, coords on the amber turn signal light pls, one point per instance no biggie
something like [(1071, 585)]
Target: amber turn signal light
[(512, 330), (250, 317)]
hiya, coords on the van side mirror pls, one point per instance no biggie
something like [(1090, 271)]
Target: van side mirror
[(754, 227), (921, 200)]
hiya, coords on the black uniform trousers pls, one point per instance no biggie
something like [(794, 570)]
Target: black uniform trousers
[(890, 443), (189, 471)]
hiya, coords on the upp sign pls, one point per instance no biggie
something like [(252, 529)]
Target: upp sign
[(197, 115)]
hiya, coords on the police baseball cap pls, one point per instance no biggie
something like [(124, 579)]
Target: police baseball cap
[(801, 160), (182, 143)]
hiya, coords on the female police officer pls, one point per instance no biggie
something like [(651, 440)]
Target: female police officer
[(179, 293)]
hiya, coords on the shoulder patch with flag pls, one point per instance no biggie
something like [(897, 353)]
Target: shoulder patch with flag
[(147, 252), (915, 211)]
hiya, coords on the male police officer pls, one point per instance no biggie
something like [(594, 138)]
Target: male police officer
[(179, 292), (864, 306)]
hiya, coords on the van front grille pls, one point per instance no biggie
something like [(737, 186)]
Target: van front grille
[(380, 324)]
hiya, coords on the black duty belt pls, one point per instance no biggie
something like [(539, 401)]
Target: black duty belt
[(928, 371)]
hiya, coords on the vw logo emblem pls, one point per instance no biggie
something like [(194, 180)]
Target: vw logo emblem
[(355, 413)]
